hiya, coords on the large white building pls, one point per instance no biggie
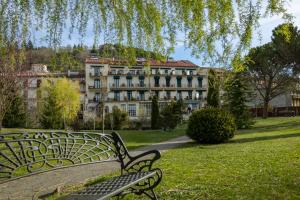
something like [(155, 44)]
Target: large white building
[(131, 88)]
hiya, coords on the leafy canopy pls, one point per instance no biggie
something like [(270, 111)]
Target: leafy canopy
[(207, 25)]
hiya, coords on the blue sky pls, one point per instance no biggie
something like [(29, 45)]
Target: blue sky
[(267, 25), (181, 52)]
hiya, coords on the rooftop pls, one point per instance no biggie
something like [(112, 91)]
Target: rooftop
[(153, 63)]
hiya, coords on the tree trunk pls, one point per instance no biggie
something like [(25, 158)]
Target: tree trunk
[(265, 111)]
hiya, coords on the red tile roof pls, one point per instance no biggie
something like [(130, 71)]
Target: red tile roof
[(153, 63)]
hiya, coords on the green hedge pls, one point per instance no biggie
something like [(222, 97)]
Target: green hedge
[(211, 125)]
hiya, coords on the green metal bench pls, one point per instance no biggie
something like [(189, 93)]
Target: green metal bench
[(27, 154)]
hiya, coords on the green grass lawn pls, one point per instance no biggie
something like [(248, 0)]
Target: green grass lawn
[(132, 138), (258, 163)]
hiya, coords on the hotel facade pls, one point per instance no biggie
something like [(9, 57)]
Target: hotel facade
[(112, 83)]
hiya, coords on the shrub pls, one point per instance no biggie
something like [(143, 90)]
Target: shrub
[(171, 115), (116, 120), (236, 96), (155, 120), (211, 125)]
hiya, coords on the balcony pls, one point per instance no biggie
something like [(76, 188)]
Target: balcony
[(96, 75), (94, 100), (127, 72), (128, 87)]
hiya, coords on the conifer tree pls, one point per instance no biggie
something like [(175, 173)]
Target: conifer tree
[(155, 122), (15, 117), (213, 89), (51, 112), (236, 96)]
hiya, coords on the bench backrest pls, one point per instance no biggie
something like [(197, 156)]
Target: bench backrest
[(23, 154)]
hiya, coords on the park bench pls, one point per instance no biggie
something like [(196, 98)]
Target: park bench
[(28, 154)]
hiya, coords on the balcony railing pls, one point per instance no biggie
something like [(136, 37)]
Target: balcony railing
[(96, 87), (94, 100), (94, 75)]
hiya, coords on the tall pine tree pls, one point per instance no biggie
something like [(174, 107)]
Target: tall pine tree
[(155, 121), (15, 117), (213, 93), (51, 113), (236, 96)]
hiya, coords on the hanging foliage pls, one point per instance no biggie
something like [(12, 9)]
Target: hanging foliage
[(208, 25)]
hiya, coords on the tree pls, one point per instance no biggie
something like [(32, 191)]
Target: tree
[(51, 116), (149, 25), (116, 120), (15, 116), (270, 76), (62, 101), (68, 98), (155, 119), (9, 86), (286, 40), (171, 115), (213, 89), (236, 96)]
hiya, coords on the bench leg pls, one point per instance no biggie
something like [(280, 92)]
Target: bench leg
[(151, 194)]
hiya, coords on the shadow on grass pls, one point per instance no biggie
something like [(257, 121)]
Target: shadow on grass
[(165, 145), (254, 139), (271, 128)]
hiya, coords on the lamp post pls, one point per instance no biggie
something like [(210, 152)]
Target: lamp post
[(103, 110)]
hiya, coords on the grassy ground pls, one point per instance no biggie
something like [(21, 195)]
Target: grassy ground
[(132, 138), (259, 163)]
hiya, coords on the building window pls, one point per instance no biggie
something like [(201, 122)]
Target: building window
[(168, 80), (168, 94), (129, 82), (97, 83), (117, 96), (179, 95), (97, 97), (123, 107), (157, 94), (116, 82), (142, 95), (129, 95), (200, 81), (142, 82), (132, 110), (190, 81), (190, 93), (178, 81), (145, 109), (156, 81), (97, 71)]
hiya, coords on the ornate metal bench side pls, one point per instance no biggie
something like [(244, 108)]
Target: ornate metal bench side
[(139, 163), (25, 154)]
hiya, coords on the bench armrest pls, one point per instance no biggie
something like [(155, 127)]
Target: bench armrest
[(143, 161)]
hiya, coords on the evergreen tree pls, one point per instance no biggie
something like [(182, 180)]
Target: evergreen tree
[(171, 115), (116, 120), (51, 113), (29, 45), (213, 89), (155, 121), (236, 96), (15, 117)]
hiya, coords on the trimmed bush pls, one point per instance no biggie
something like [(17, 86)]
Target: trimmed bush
[(211, 126)]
